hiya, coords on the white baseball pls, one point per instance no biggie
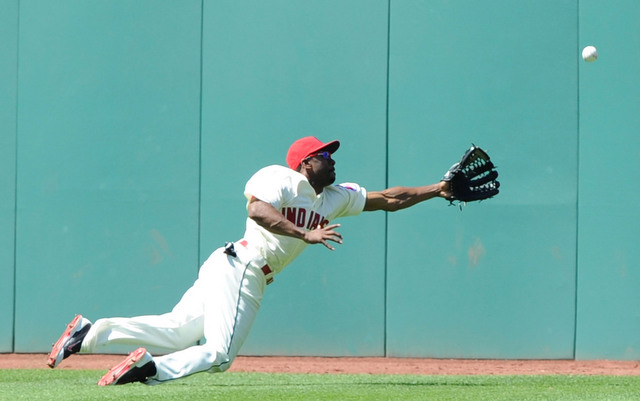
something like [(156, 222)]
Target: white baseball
[(589, 54)]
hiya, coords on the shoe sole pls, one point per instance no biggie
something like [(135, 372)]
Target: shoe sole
[(115, 373), (57, 348)]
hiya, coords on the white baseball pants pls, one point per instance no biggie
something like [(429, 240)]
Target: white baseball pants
[(221, 306)]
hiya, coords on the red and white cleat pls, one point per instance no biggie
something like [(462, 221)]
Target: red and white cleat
[(70, 340), (138, 366)]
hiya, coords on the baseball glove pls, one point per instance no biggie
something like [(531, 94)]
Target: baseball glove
[(473, 178)]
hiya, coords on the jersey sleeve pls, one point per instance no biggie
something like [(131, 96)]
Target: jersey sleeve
[(274, 185), (353, 198)]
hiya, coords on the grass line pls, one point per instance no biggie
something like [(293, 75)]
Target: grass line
[(52, 385)]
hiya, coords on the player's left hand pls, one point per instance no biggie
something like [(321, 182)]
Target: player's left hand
[(445, 190)]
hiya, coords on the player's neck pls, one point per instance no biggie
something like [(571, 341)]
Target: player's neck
[(318, 187)]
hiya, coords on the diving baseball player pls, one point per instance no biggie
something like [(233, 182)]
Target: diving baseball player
[(288, 209)]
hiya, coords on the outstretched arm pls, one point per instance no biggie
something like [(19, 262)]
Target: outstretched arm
[(270, 218), (397, 198)]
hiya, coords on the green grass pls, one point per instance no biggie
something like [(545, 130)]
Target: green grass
[(67, 385)]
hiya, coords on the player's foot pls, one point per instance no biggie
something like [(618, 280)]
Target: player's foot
[(138, 366), (70, 341)]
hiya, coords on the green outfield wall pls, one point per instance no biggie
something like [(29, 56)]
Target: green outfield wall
[(129, 128)]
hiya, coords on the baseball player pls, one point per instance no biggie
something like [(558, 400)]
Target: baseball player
[(288, 208)]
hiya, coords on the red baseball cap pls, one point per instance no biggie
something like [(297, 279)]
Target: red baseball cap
[(306, 146)]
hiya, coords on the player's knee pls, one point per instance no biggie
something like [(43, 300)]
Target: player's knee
[(225, 366), (217, 361), (222, 363)]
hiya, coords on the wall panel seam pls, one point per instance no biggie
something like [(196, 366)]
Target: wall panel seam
[(199, 216), (577, 232), (386, 183), (15, 181)]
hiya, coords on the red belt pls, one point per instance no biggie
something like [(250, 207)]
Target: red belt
[(266, 269)]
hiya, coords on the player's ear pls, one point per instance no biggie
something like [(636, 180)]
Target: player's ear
[(304, 164)]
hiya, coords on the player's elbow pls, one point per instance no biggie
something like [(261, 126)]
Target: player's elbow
[(253, 212), (256, 209), (259, 218)]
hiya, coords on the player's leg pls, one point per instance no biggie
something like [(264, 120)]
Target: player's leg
[(176, 330), (180, 328), (230, 310), (227, 338), (171, 331)]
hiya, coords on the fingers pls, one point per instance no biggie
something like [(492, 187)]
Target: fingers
[(329, 234), (325, 243), (336, 238), (332, 235), (328, 228)]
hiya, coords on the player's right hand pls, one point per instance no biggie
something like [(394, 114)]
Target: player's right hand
[(321, 235)]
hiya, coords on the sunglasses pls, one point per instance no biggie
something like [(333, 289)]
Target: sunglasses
[(326, 155)]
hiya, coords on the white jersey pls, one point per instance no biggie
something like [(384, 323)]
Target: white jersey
[(291, 193)]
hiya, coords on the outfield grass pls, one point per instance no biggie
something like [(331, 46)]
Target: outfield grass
[(67, 385)]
